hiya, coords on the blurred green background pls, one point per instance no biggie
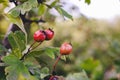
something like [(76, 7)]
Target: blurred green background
[(96, 44)]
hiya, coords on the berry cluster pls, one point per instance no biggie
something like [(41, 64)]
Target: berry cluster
[(41, 35), (65, 49)]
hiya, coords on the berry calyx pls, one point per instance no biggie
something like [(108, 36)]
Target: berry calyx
[(65, 49), (39, 36), (49, 34)]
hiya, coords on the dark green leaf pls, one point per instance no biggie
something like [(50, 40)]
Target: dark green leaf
[(32, 67), (2, 49), (63, 12), (16, 70), (88, 1), (17, 40)]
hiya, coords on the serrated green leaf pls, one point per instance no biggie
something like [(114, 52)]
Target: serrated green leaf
[(18, 22), (27, 6), (23, 8), (17, 40), (33, 67), (63, 12), (15, 12), (21, 38), (88, 1), (34, 3), (41, 9), (16, 69)]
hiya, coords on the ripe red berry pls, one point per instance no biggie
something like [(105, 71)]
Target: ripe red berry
[(39, 36), (49, 34), (66, 48), (53, 78)]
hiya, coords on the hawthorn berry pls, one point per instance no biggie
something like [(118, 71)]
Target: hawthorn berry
[(39, 36), (65, 49), (53, 78), (49, 34)]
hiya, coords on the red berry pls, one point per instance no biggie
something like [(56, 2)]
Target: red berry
[(39, 36), (66, 48), (53, 78), (49, 34)]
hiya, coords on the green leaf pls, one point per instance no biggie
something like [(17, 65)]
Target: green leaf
[(17, 40), (33, 67), (23, 8), (54, 3), (88, 1), (16, 70), (41, 9), (90, 61), (2, 49), (48, 50), (77, 76), (63, 12), (18, 22), (15, 12), (44, 72)]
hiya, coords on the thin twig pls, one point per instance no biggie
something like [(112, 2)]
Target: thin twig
[(30, 49), (54, 66), (36, 46)]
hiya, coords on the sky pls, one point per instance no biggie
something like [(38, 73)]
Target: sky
[(99, 9)]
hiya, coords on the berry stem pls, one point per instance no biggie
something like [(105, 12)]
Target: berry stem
[(29, 49), (54, 66), (36, 46)]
